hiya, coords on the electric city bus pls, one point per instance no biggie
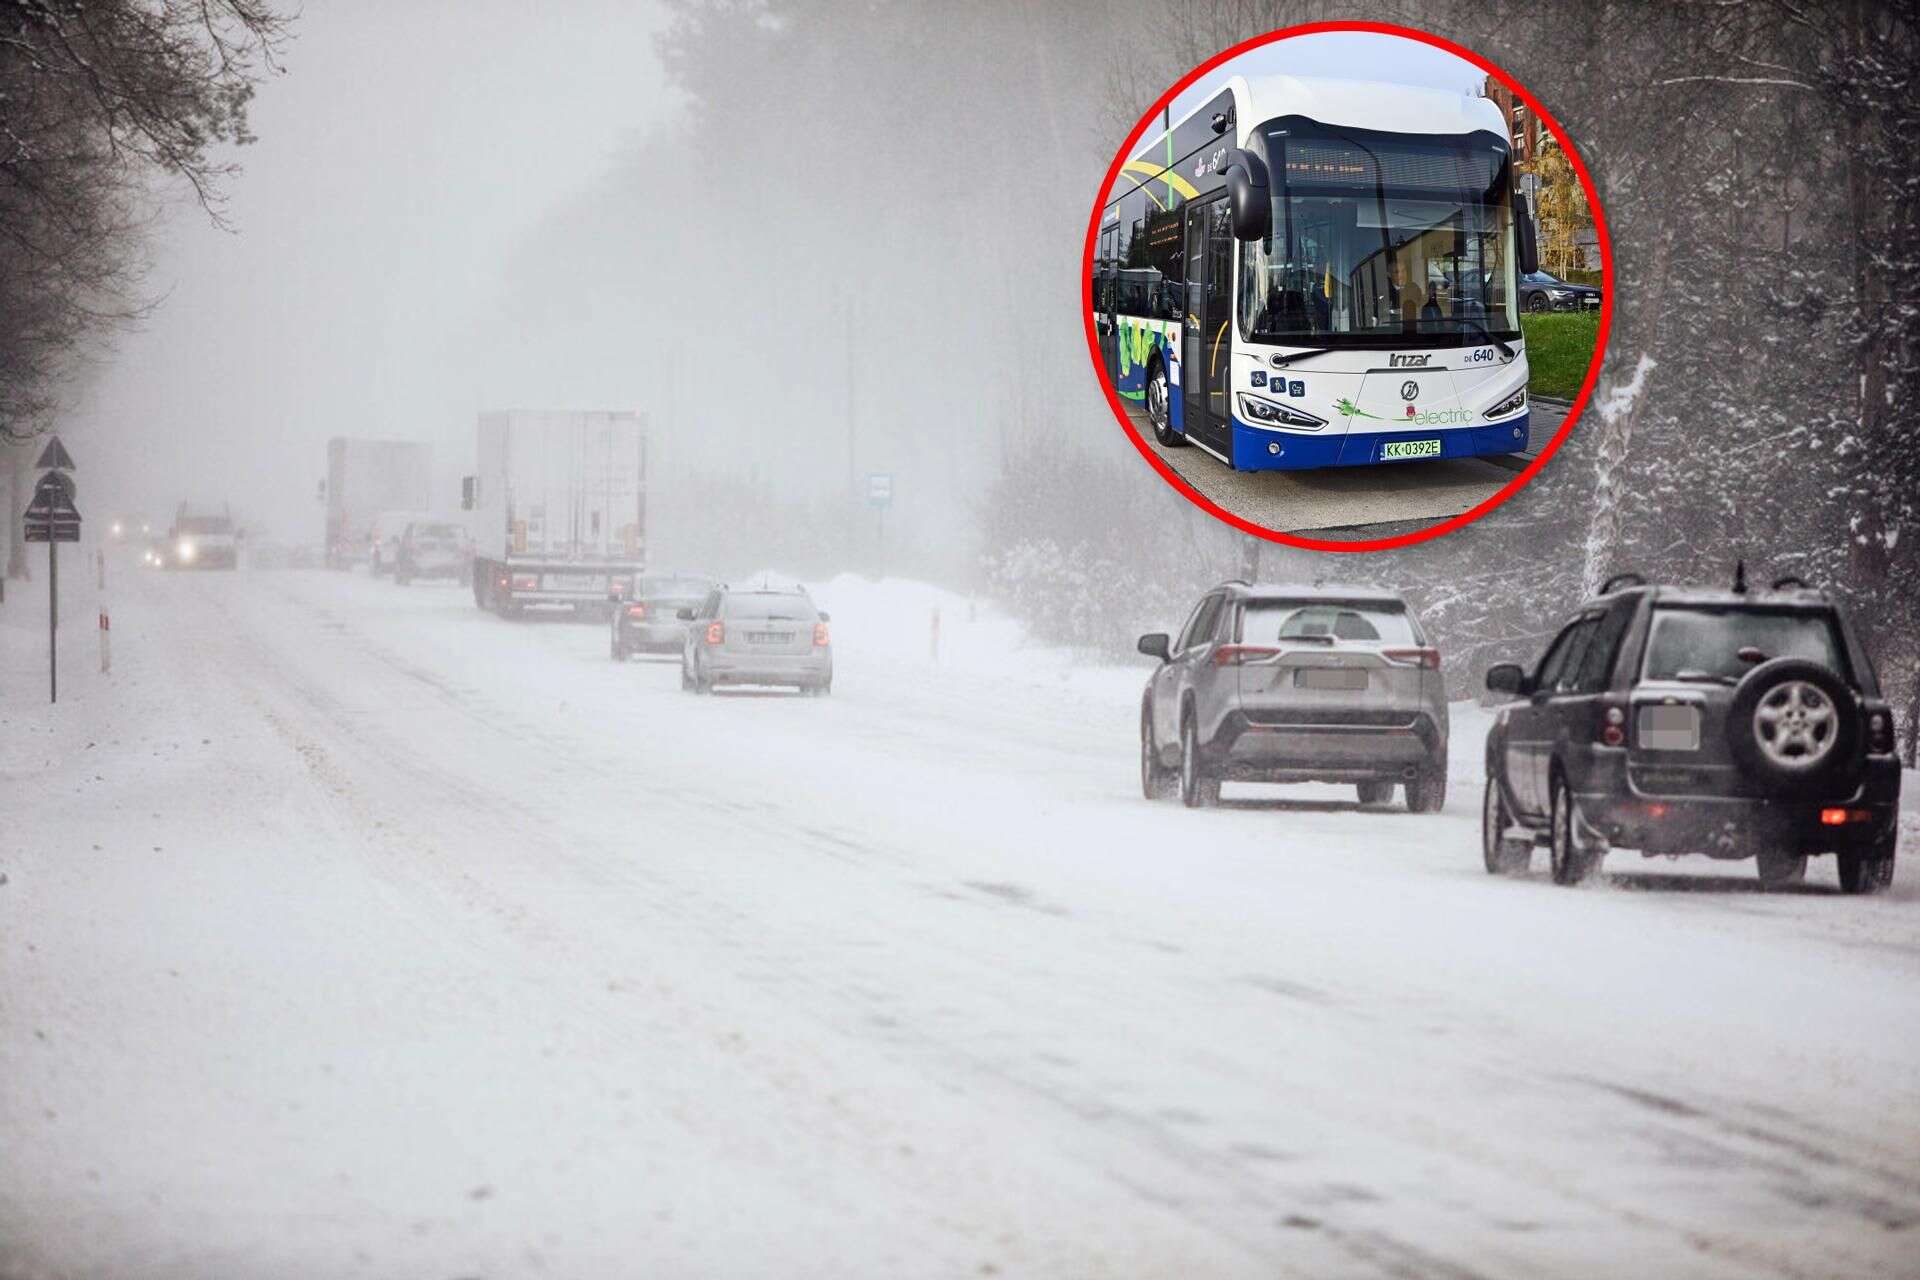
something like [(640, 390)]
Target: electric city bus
[(1315, 273)]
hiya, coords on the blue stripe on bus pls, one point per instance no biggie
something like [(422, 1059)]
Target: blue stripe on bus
[(1299, 452)]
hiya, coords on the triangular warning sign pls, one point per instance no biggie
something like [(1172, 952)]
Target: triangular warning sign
[(55, 457)]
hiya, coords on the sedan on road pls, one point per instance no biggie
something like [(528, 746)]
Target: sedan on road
[(432, 549), (765, 636), (647, 619)]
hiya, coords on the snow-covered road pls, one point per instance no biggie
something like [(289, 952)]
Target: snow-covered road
[(349, 931)]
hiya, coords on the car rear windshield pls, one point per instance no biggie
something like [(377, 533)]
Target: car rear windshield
[(680, 588), (769, 604), (1694, 642), (1269, 621), (443, 532)]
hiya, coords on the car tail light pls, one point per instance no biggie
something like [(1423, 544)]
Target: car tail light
[(505, 582), (819, 634), (526, 582), (1841, 817), (1232, 655), (636, 611), (1427, 658), (1610, 727), (1880, 732), (716, 632)]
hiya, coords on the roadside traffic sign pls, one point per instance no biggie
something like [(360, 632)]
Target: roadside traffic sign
[(55, 456), (879, 488), (53, 519), (54, 487)]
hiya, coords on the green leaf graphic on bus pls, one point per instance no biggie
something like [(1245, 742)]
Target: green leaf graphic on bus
[(1137, 342), (1353, 410)]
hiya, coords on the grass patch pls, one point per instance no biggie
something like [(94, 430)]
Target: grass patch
[(1559, 348)]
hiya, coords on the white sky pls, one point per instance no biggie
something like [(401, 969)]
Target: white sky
[(1345, 55), (372, 229)]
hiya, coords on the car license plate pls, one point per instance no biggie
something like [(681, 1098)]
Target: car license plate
[(1410, 449), (573, 581), (769, 637), (1343, 678), (1670, 728)]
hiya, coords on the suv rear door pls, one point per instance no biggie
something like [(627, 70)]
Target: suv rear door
[(1192, 649), (1534, 725)]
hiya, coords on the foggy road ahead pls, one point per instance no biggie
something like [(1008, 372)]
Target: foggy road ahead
[(351, 931)]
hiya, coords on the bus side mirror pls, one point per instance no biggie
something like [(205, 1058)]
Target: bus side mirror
[(1249, 198), (1529, 242), (468, 484)]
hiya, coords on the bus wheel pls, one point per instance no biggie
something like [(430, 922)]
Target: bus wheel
[(1158, 412)]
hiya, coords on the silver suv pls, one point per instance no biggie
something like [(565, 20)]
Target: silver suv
[(1295, 684)]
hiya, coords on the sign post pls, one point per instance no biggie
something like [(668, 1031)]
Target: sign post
[(880, 497), (53, 519)]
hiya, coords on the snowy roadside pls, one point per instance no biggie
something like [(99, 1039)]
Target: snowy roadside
[(445, 942)]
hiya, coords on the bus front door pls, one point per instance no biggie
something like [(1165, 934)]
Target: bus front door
[(1206, 329)]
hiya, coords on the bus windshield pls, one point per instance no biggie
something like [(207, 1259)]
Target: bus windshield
[(1382, 239)]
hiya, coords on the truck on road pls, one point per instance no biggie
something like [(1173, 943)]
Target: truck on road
[(558, 507), (368, 479)]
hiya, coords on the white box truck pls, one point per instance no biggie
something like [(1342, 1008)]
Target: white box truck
[(558, 508), (368, 480)]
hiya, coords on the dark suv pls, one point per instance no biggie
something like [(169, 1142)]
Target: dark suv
[(1295, 684), (1731, 723)]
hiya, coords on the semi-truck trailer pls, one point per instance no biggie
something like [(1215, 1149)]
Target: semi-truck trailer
[(367, 479), (558, 507)]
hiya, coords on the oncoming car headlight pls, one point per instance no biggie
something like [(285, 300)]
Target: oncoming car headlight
[(1512, 404), (186, 550), (1265, 413)]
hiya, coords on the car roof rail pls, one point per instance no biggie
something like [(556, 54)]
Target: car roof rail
[(1786, 581), (1620, 581)]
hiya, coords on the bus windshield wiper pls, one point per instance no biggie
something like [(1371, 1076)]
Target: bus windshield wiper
[(1281, 362), (1486, 333)]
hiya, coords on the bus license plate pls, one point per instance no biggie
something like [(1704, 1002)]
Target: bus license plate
[(1410, 449)]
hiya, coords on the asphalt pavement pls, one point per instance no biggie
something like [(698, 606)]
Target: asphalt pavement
[(1355, 502)]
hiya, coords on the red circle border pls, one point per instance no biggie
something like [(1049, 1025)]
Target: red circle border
[(1513, 486)]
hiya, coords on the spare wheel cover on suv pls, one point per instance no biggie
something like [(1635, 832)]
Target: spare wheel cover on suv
[(1794, 726)]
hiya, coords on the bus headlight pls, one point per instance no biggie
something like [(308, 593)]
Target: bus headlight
[(1512, 404), (1265, 413)]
